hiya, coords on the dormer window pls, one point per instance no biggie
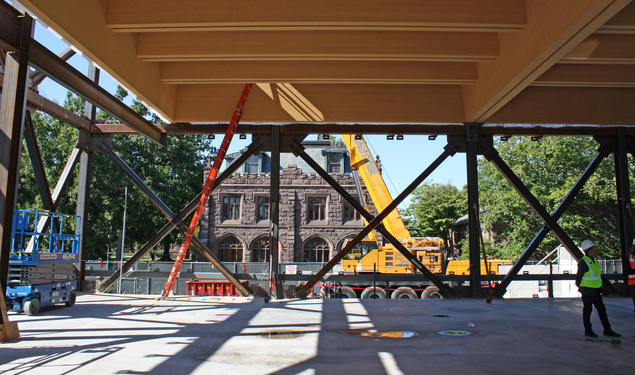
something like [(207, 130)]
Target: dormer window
[(252, 165), (334, 163), (334, 159)]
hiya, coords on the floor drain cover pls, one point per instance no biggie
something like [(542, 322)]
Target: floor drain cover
[(393, 334), (455, 332), (282, 334)]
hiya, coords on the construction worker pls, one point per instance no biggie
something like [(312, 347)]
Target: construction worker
[(631, 275), (589, 282)]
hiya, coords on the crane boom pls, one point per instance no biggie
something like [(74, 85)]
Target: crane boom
[(362, 160)]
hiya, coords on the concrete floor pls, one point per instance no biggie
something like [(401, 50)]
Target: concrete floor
[(109, 334)]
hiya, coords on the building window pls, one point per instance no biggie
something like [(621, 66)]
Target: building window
[(350, 213), (230, 249), (252, 165), (231, 207), (334, 163), (262, 208), (316, 208), (316, 250), (261, 250)]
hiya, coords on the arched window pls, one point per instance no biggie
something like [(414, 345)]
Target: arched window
[(316, 250), (230, 249), (261, 250)]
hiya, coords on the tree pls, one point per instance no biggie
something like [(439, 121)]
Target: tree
[(434, 209), (549, 168)]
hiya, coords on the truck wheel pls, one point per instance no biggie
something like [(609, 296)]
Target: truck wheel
[(32, 306), (347, 292), (431, 292), (403, 292), (374, 293), (71, 299)]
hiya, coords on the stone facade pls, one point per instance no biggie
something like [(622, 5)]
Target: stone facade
[(299, 187)]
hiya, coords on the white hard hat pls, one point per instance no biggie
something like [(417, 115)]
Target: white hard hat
[(586, 245)]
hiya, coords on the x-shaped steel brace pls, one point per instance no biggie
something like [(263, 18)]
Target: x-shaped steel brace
[(299, 151), (303, 290)]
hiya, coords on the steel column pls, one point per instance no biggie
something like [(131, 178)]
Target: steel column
[(105, 285), (12, 105), (299, 151), (542, 233), (274, 211), (474, 230), (83, 185), (303, 290), (624, 206)]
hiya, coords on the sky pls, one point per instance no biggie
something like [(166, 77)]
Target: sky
[(402, 160)]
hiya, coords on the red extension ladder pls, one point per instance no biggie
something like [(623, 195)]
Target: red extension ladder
[(207, 189)]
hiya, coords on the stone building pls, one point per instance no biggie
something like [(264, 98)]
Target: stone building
[(314, 220)]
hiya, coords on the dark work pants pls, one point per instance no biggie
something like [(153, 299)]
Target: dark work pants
[(591, 297)]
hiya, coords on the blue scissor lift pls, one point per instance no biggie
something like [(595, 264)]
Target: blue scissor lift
[(41, 264)]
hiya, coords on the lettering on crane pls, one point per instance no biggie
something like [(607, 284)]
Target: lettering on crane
[(365, 153)]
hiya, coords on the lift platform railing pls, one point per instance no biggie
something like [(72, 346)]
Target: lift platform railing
[(58, 243)]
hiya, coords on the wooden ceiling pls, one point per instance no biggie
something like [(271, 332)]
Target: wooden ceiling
[(419, 61)]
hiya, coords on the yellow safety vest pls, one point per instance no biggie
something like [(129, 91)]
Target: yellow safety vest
[(593, 277), (631, 277)]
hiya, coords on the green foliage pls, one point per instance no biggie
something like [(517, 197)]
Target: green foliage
[(173, 172), (549, 168), (434, 209)]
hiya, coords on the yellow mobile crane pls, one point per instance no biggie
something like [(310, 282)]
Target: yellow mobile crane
[(370, 256)]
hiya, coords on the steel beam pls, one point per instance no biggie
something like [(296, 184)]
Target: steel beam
[(38, 77), (303, 290), (36, 161), (542, 233), (177, 219), (47, 106), (63, 73), (377, 128), (8, 27), (299, 151), (474, 230), (274, 210), (624, 205)]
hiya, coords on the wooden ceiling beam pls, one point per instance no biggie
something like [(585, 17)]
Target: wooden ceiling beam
[(588, 75), (228, 15), (82, 23), (621, 23), (554, 29), (570, 105), (317, 45), (403, 72), (605, 49), (323, 102)]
